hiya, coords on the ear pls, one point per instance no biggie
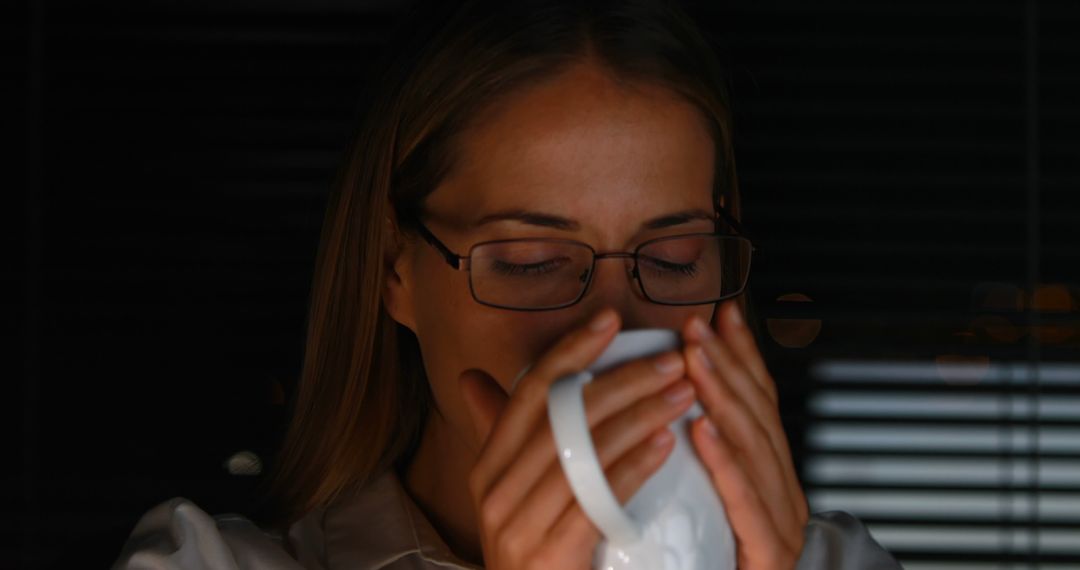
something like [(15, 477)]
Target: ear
[(397, 292)]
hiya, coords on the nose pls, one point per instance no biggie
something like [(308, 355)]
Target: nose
[(613, 285)]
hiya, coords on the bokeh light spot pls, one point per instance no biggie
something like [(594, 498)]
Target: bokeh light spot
[(793, 333)]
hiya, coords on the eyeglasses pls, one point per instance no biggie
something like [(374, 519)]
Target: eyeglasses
[(539, 274)]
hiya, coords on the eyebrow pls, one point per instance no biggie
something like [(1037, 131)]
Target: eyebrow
[(542, 219)]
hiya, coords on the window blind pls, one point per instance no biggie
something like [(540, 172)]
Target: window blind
[(908, 169)]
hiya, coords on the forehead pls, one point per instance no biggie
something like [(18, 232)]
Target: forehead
[(583, 146)]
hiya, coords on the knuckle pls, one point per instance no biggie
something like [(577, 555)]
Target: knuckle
[(636, 415), (513, 545), (759, 438), (749, 436), (656, 414), (772, 559), (544, 559), (662, 407), (746, 495), (634, 470), (491, 510), (533, 391), (649, 416), (638, 467)]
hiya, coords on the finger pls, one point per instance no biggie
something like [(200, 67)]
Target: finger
[(573, 539), (484, 401), (571, 353), (731, 325), (727, 370), (758, 435), (761, 543), (574, 530), (631, 471), (722, 354), (619, 388), (612, 439), (629, 428), (722, 375)]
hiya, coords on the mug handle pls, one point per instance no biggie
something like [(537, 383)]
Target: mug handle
[(573, 440)]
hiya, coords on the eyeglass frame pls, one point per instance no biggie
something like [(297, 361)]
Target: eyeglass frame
[(454, 260)]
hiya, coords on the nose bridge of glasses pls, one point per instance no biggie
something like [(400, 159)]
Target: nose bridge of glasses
[(627, 257), (596, 282), (629, 261), (615, 254)]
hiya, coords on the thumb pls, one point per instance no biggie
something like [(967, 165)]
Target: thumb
[(484, 400)]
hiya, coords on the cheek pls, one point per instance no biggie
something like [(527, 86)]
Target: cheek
[(499, 342), (456, 333)]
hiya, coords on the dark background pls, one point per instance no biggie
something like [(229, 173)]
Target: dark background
[(910, 167)]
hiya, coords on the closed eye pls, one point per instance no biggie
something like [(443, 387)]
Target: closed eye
[(661, 266), (546, 266)]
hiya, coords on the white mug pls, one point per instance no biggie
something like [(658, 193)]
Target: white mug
[(676, 520)]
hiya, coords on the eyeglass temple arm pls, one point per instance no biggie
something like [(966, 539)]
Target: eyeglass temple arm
[(451, 258), (721, 212)]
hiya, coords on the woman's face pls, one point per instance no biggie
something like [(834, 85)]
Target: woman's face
[(577, 147)]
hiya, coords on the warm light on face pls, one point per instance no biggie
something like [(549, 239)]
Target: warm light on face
[(578, 158)]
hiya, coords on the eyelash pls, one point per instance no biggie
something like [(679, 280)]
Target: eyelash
[(689, 269), (505, 268)]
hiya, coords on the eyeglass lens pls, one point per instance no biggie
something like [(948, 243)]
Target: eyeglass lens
[(537, 274)]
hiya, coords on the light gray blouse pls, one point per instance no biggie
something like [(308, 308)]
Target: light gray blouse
[(382, 528)]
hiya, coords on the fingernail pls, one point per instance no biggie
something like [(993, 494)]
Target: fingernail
[(661, 438), (710, 428), (699, 353), (603, 321), (679, 393), (735, 315), (667, 363), (702, 328)]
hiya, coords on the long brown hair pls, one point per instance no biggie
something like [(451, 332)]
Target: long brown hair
[(363, 396)]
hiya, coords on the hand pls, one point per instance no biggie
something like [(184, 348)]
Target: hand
[(527, 513), (742, 443)]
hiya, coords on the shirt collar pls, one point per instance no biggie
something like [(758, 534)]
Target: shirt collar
[(378, 525)]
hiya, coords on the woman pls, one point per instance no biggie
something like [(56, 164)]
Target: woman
[(531, 138)]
